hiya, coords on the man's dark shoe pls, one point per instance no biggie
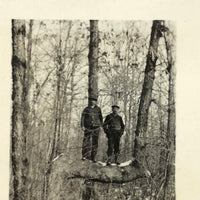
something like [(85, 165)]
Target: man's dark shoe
[(94, 161), (116, 158), (108, 163), (84, 158)]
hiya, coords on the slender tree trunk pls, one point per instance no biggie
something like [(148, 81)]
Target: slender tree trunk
[(20, 111), (65, 117), (168, 155), (89, 192), (54, 151), (162, 160), (171, 119), (93, 59), (132, 112), (54, 145), (59, 94), (129, 128), (72, 86), (145, 100)]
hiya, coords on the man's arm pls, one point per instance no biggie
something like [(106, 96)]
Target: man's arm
[(100, 117), (83, 118), (122, 125), (105, 124)]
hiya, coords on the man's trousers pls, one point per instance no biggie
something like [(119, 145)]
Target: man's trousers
[(90, 143), (113, 142)]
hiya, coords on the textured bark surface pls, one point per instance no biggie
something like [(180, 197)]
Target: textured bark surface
[(19, 160), (171, 96), (93, 59), (107, 174), (92, 172), (148, 83), (170, 171), (93, 81)]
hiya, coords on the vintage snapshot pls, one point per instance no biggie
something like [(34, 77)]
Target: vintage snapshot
[(93, 110)]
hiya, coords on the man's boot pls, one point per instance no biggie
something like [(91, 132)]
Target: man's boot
[(109, 161), (116, 159)]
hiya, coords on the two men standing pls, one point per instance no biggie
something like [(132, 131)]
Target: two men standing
[(91, 121)]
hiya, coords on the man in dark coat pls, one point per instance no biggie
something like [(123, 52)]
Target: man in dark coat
[(91, 121), (114, 129)]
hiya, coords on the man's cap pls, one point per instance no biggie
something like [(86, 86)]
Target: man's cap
[(115, 106), (92, 98)]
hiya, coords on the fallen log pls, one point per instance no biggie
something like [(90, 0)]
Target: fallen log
[(98, 172), (64, 170)]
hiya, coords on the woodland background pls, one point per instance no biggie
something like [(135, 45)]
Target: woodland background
[(52, 80)]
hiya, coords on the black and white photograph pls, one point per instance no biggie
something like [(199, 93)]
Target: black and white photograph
[(99, 100), (93, 110)]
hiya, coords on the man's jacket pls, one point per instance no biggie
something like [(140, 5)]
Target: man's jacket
[(113, 122), (91, 117)]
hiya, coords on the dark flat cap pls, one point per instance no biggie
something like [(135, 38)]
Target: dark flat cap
[(115, 106)]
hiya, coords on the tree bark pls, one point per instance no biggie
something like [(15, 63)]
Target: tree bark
[(107, 174), (20, 111), (28, 117), (91, 172), (93, 59), (73, 70), (55, 148), (93, 83), (146, 95), (171, 118)]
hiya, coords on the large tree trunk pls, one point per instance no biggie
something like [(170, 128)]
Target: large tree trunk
[(93, 85), (146, 95), (29, 118), (93, 59), (20, 112)]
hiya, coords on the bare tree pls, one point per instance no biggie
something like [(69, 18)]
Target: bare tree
[(92, 85), (170, 155), (20, 112), (146, 95), (93, 59)]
